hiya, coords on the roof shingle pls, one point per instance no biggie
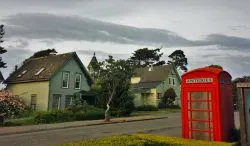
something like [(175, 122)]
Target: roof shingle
[(157, 74), (26, 73)]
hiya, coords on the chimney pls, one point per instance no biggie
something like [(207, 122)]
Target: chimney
[(150, 67), (16, 67)]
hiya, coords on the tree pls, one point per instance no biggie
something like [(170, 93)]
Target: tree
[(2, 51), (145, 57), (216, 66), (169, 97), (115, 78), (42, 53), (178, 58)]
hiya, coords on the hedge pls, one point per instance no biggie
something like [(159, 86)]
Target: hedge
[(66, 116), (146, 140), (146, 108)]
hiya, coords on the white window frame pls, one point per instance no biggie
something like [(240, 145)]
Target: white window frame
[(169, 81), (79, 82), (67, 80), (173, 81)]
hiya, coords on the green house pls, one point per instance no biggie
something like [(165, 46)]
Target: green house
[(49, 82), (150, 83)]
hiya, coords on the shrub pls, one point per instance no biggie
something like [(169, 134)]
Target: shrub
[(90, 115), (11, 106), (53, 116), (72, 113), (146, 108), (146, 140)]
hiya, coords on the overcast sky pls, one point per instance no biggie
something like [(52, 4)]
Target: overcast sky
[(208, 31)]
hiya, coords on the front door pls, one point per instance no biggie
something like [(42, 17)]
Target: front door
[(200, 123), (247, 96)]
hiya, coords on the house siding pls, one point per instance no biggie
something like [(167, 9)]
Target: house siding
[(73, 68), (25, 90), (161, 88)]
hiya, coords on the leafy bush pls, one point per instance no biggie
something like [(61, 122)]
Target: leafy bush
[(162, 105), (146, 140), (90, 115), (72, 113), (146, 108), (53, 116), (11, 106)]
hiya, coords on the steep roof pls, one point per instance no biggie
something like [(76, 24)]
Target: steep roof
[(48, 66), (93, 62), (157, 74)]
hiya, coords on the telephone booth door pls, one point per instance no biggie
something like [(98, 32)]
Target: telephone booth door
[(199, 113)]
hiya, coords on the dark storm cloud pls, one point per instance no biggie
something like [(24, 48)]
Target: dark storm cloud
[(48, 26)]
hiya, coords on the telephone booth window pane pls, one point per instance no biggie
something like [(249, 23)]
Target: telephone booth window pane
[(199, 105), (199, 115), (199, 95), (200, 125), (200, 135), (211, 116)]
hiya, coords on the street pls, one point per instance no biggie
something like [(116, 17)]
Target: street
[(170, 126), (45, 138)]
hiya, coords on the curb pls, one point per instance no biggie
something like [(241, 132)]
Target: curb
[(74, 126)]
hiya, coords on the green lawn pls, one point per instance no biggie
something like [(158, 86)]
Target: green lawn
[(160, 112)]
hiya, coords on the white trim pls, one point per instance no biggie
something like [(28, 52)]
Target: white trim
[(79, 81), (64, 73)]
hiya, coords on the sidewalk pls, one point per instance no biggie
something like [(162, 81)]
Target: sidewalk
[(43, 127)]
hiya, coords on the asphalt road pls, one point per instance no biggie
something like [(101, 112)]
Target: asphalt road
[(45, 138)]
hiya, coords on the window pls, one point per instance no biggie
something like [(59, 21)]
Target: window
[(65, 80), (68, 100), (33, 101), (173, 82), (169, 81), (39, 71), (77, 81), (56, 103)]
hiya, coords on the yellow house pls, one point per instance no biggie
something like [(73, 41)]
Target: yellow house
[(49, 82), (150, 83)]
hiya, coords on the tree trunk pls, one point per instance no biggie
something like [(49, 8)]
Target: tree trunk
[(107, 112)]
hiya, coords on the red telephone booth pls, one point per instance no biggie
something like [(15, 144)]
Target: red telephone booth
[(207, 104)]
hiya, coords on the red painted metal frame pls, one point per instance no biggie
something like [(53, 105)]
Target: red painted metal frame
[(187, 123)]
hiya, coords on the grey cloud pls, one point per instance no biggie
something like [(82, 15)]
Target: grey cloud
[(15, 55), (102, 55), (54, 27), (229, 42), (48, 26)]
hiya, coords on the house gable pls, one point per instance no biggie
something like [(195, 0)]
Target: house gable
[(73, 68)]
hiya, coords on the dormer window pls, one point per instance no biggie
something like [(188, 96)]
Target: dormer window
[(39, 71)]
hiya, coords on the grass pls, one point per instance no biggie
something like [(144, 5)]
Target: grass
[(146, 140), (154, 113)]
